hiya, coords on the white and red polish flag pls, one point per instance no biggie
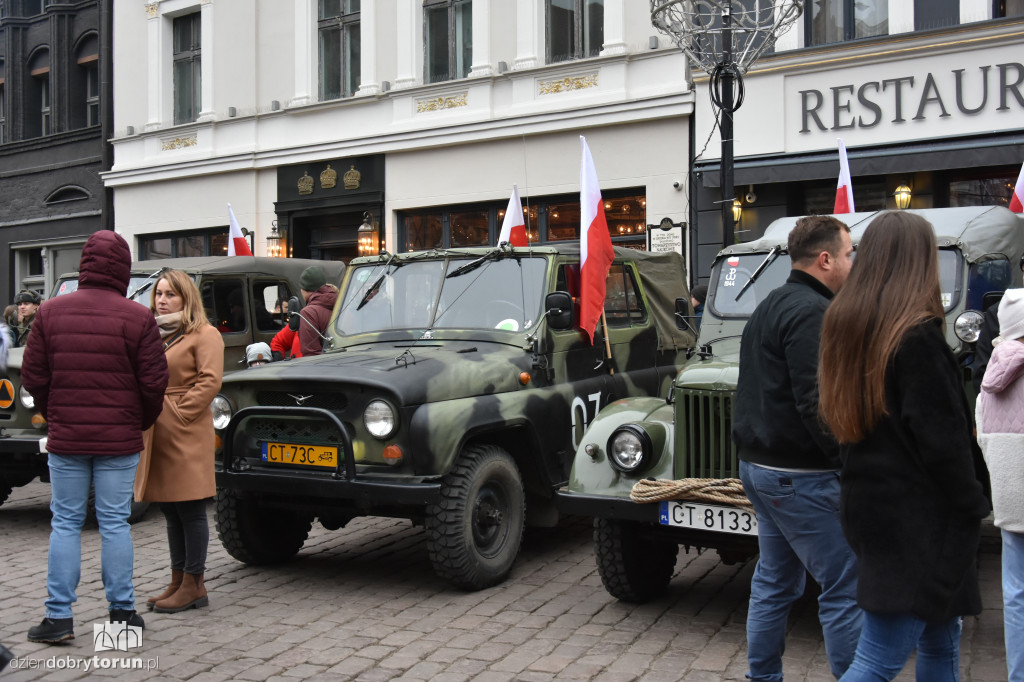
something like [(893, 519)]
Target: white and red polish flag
[(596, 253), (1017, 200), (844, 190), (238, 245), (513, 226)]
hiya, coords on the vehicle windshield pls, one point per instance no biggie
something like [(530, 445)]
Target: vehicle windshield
[(732, 273), (138, 287), (499, 294)]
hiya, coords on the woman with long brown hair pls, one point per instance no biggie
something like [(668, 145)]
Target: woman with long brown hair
[(912, 497), (176, 467)]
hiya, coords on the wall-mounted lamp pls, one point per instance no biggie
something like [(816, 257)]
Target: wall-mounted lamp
[(249, 237), (902, 197), (274, 248), (367, 236), (737, 210)]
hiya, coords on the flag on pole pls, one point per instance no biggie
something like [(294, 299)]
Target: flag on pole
[(238, 245), (844, 190), (513, 226), (1017, 200), (596, 252)]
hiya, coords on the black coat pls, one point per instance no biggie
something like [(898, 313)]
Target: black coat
[(912, 498), (775, 420)]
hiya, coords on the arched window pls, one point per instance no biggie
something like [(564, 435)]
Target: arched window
[(37, 94), (85, 89), (66, 193)]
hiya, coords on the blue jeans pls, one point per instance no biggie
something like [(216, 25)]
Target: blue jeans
[(70, 478), (798, 532), (1013, 603), (888, 639)]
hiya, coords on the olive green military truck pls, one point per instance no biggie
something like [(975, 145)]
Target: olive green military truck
[(243, 297), (688, 437), (454, 390)]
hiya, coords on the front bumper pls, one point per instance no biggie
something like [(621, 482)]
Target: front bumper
[(344, 483)]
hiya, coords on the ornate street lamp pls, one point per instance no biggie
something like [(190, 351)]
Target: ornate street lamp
[(367, 236), (902, 197), (724, 37), (274, 249)]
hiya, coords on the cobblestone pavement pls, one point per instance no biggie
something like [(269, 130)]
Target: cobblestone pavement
[(363, 603)]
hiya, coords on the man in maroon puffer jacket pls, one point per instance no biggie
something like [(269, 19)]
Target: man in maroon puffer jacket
[(95, 366), (320, 298)]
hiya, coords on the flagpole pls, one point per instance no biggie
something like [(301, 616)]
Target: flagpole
[(607, 343)]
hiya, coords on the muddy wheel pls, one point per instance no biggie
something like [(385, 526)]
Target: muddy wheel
[(474, 532), (255, 535), (633, 568)]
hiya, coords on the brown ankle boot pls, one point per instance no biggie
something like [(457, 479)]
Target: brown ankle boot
[(176, 576), (190, 595)]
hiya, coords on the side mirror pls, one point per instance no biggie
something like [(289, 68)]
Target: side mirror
[(682, 312), (990, 299), (294, 305), (558, 308)]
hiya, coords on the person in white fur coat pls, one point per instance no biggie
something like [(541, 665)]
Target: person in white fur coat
[(1000, 417)]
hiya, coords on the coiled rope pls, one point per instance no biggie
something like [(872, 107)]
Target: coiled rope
[(722, 490)]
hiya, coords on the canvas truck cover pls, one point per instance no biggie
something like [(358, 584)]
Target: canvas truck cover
[(976, 230)]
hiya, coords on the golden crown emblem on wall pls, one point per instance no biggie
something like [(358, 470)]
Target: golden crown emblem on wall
[(352, 178), (305, 183), (328, 178)]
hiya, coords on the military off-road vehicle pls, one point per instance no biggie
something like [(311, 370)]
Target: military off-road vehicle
[(453, 391), (243, 297), (689, 436)]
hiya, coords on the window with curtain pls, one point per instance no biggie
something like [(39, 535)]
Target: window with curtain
[(447, 39), (575, 29), (187, 59), (85, 87), (338, 26), (834, 21), (548, 219)]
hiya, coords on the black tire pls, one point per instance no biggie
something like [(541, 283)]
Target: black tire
[(5, 489), (255, 535), (474, 532), (633, 568)]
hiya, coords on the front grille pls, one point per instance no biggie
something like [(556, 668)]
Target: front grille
[(334, 402), (704, 434), (277, 430)]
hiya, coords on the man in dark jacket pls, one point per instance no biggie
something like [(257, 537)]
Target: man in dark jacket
[(96, 369), (316, 313), (789, 465)]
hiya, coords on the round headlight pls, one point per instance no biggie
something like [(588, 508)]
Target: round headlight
[(968, 326), (26, 398), (379, 418), (221, 409), (629, 448)]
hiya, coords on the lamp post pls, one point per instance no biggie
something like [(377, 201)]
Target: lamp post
[(724, 37)]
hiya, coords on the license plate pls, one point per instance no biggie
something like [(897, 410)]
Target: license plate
[(708, 517), (299, 455)]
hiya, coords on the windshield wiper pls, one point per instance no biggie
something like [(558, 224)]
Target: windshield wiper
[(145, 286), (772, 255), (498, 252), (376, 285)]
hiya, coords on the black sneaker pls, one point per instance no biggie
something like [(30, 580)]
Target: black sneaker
[(52, 630), (127, 617)]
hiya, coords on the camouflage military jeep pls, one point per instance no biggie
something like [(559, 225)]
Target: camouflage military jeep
[(242, 297), (453, 392), (689, 436)]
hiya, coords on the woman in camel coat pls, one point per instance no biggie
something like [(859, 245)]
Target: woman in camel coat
[(176, 467)]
